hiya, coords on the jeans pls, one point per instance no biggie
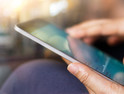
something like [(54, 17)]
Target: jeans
[(43, 77)]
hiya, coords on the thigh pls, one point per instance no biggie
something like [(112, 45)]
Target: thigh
[(43, 77)]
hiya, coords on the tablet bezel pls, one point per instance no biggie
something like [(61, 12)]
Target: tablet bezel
[(23, 32)]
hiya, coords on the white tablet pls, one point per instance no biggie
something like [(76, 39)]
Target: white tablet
[(74, 50)]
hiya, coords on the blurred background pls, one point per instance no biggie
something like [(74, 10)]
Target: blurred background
[(16, 49)]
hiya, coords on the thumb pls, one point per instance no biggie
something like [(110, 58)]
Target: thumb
[(91, 79)]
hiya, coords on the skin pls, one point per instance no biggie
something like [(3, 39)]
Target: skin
[(90, 32), (94, 83)]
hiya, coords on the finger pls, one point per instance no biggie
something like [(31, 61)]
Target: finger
[(90, 32), (87, 24), (94, 23), (90, 40), (121, 27), (68, 62), (91, 79), (123, 60), (101, 30), (87, 76), (114, 40), (95, 28), (108, 28), (80, 30)]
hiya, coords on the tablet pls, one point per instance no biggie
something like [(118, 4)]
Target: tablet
[(74, 50)]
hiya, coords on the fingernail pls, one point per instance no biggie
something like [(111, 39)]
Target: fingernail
[(70, 30), (73, 69)]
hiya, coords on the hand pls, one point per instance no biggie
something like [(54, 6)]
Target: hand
[(94, 83), (92, 30)]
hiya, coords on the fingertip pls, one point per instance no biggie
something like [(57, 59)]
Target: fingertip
[(89, 40), (76, 33), (71, 31), (68, 30), (113, 40), (72, 68), (123, 60)]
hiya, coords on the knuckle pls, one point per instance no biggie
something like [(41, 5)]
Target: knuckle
[(84, 78), (115, 88)]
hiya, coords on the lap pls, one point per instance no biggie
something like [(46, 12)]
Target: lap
[(43, 77)]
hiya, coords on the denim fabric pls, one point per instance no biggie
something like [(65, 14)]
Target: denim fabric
[(43, 77)]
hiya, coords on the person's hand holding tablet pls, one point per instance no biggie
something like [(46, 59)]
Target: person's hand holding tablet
[(74, 50), (89, 32)]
